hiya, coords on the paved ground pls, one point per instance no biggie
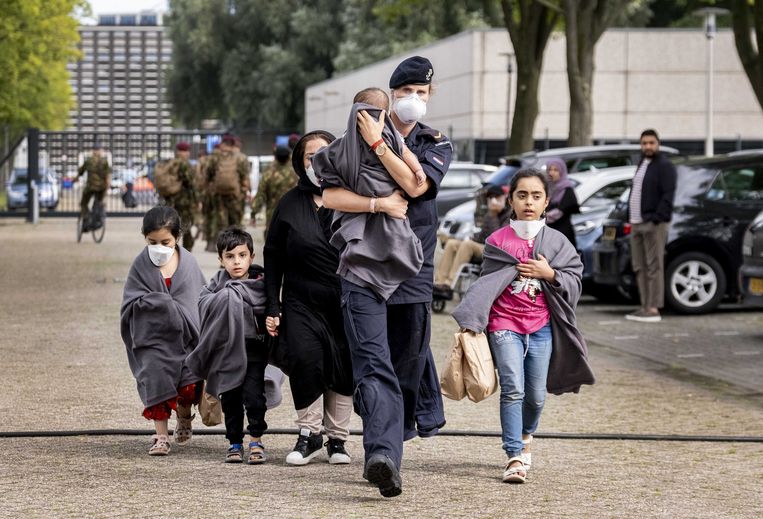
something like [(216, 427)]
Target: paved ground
[(64, 368)]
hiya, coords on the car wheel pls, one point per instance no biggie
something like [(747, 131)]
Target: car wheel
[(696, 283)]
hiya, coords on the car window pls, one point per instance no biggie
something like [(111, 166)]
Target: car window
[(459, 178), (502, 177), (602, 162), (19, 180), (736, 184), (606, 196)]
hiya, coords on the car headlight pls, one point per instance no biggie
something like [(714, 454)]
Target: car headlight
[(585, 227)]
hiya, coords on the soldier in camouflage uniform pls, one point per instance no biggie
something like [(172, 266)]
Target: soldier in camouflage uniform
[(187, 199), (98, 178), (208, 200), (276, 180), (227, 209)]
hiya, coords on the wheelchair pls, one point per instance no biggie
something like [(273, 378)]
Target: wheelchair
[(468, 273)]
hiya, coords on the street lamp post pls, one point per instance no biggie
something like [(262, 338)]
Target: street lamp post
[(710, 29), (510, 70)]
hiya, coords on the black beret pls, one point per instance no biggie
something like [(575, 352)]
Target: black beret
[(412, 71)]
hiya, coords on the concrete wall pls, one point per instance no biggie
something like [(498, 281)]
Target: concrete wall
[(644, 78)]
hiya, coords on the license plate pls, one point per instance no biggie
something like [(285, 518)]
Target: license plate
[(610, 233), (756, 286)]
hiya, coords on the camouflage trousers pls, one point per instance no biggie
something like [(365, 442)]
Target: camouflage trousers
[(87, 194), (185, 209), (225, 210)]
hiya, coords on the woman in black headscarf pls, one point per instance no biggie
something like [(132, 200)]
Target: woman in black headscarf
[(312, 345)]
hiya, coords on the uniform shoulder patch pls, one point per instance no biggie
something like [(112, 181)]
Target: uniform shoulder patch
[(432, 134)]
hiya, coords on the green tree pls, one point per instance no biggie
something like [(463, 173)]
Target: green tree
[(529, 23), (37, 39), (248, 62), (377, 30), (585, 23), (193, 81)]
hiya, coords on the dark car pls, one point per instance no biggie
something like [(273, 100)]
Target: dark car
[(16, 190), (460, 184), (715, 201), (751, 272)]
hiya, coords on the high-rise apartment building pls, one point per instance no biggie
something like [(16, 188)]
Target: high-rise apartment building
[(118, 84)]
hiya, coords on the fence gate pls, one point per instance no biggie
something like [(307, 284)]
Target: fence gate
[(132, 156)]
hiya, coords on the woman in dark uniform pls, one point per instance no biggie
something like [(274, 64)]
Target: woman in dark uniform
[(398, 392), (312, 348)]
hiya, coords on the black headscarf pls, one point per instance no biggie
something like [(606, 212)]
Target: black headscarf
[(297, 159)]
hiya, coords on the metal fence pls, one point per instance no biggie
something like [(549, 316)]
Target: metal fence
[(59, 155)]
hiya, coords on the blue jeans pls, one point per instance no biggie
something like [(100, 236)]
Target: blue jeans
[(522, 362)]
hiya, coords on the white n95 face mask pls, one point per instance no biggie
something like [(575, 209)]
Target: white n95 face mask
[(527, 229), (159, 254), (409, 108), (310, 172)]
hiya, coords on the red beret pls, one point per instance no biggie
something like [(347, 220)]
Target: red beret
[(182, 146)]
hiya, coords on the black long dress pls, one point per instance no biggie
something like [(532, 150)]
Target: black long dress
[(312, 348), (568, 205)]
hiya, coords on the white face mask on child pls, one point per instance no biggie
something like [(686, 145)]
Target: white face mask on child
[(527, 229), (159, 254)]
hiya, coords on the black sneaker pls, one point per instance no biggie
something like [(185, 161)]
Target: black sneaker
[(338, 455), (383, 473), (307, 447)]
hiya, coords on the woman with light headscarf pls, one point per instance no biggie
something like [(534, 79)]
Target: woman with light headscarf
[(563, 202)]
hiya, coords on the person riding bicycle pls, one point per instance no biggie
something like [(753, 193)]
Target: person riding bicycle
[(98, 179)]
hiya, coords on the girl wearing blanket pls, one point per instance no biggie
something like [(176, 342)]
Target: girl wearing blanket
[(160, 326), (526, 297)]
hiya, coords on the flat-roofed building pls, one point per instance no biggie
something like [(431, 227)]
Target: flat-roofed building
[(644, 78), (118, 83)]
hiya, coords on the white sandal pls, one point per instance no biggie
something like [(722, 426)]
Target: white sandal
[(517, 473), (161, 446)]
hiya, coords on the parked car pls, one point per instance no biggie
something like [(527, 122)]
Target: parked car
[(716, 199), (597, 193), (460, 184), (751, 271), (47, 189), (579, 159), (585, 158)]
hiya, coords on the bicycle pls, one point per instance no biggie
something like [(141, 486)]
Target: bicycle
[(94, 223)]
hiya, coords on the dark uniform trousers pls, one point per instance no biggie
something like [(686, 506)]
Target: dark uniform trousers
[(389, 350)]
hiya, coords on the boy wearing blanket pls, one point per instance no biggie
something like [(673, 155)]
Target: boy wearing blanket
[(233, 348)]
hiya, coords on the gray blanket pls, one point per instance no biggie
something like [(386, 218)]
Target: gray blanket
[(159, 326), (376, 250), (228, 308), (569, 367)]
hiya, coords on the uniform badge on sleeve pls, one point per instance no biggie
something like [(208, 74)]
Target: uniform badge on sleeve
[(438, 160)]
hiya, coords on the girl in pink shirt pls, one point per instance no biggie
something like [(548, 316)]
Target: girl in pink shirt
[(519, 329)]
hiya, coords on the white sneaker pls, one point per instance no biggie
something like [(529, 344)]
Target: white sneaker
[(307, 447)]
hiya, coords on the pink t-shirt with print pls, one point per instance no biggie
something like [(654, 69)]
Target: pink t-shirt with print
[(521, 308)]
